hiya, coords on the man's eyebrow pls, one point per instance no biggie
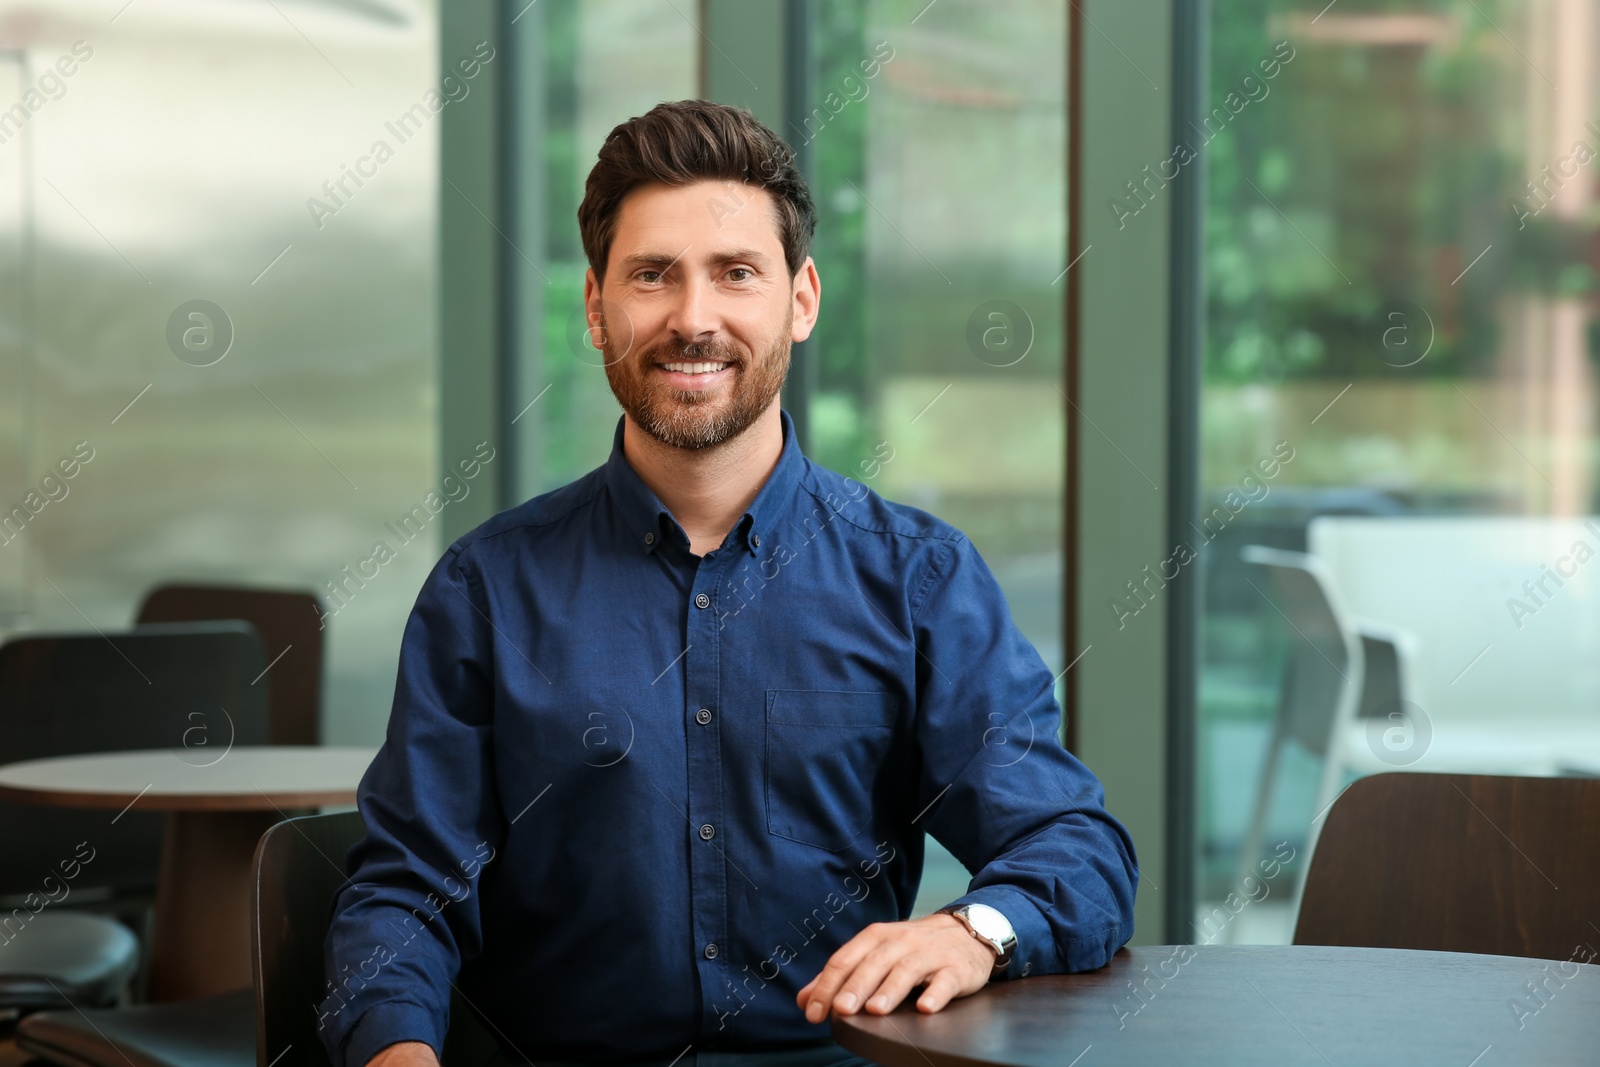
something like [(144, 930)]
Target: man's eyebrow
[(663, 259)]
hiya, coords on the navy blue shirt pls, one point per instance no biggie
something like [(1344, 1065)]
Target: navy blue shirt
[(632, 799)]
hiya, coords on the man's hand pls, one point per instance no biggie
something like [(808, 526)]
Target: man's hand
[(405, 1054), (881, 964)]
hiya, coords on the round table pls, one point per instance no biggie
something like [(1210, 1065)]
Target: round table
[(1278, 1005), (218, 806)]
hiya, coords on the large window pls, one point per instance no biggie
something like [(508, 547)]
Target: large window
[(1399, 398), (217, 312)]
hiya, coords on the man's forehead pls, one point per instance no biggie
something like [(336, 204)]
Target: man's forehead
[(710, 214)]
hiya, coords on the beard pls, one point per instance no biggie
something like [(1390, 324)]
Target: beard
[(697, 419)]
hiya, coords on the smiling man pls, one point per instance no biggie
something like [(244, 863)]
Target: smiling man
[(666, 741)]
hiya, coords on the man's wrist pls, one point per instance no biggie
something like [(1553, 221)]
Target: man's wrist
[(405, 1054), (989, 926), (389, 1023)]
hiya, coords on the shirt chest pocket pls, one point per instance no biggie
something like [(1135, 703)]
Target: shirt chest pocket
[(826, 752)]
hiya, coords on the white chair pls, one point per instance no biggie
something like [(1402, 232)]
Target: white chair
[(1504, 669), (1338, 669)]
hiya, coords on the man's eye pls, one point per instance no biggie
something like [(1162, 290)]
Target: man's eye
[(646, 275), (740, 270)]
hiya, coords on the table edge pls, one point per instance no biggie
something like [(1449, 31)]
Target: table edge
[(177, 802)]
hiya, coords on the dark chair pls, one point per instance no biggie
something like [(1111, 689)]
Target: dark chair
[(299, 868), (290, 624), (162, 686), (1457, 863), (69, 694)]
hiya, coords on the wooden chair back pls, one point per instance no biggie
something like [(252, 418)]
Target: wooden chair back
[(1459, 863)]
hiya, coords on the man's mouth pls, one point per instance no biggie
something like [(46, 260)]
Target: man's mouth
[(703, 367)]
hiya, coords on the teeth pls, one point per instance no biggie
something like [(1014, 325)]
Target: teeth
[(694, 368)]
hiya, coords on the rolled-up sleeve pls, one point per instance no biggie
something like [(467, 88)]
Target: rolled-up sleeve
[(996, 786), (409, 915)]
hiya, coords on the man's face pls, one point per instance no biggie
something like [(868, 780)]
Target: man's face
[(699, 310)]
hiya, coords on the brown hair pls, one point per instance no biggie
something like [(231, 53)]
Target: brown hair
[(684, 141)]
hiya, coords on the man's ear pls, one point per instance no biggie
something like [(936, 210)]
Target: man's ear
[(807, 296), (591, 307)]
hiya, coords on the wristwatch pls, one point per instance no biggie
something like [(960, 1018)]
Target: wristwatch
[(989, 926)]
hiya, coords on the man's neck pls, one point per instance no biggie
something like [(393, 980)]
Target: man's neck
[(707, 490)]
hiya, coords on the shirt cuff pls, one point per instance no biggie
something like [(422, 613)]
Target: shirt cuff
[(1036, 945), (387, 1024)]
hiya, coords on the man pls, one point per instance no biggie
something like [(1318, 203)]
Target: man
[(665, 741)]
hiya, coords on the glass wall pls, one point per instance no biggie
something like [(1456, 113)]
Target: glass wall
[(217, 313), (1399, 398)]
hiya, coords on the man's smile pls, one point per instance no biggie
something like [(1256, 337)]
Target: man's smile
[(695, 375)]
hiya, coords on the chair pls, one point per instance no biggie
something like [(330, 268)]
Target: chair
[(290, 624), (1456, 582), (209, 1032), (1337, 669), (61, 958), (299, 868), (1457, 863), (156, 686), (300, 865), (68, 694)]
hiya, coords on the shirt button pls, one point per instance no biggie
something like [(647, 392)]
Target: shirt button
[(707, 831), (649, 538), (702, 716), (711, 951), (702, 601), (1026, 967), (755, 539)]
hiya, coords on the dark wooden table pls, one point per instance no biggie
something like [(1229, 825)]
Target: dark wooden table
[(217, 806), (1274, 1005)]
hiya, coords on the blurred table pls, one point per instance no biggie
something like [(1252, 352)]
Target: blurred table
[(1277, 1005), (217, 806)]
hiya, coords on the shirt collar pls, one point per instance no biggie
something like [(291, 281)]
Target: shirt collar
[(648, 521)]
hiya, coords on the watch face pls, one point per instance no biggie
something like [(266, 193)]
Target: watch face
[(989, 922)]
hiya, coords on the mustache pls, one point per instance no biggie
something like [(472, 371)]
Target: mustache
[(693, 352)]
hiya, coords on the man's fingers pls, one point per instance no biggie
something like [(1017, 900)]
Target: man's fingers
[(909, 971), (824, 988), (942, 989), (807, 995), (869, 975), (878, 968)]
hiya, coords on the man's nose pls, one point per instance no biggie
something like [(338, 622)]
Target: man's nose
[(693, 315)]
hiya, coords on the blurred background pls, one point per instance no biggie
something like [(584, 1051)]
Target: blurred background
[(269, 269)]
